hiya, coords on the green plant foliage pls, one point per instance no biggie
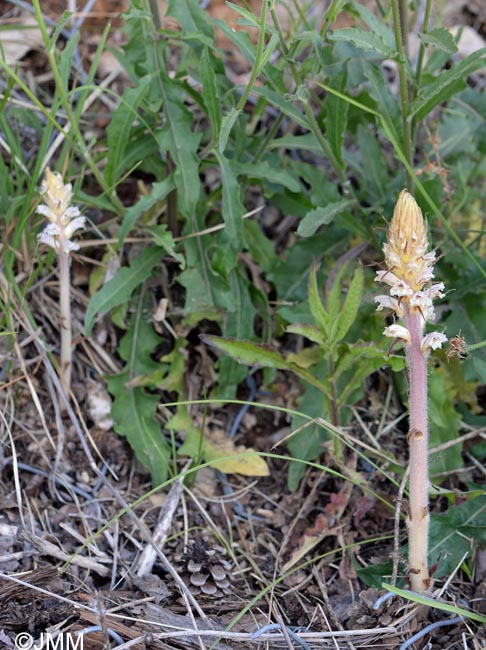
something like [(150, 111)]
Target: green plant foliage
[(134, 408), (454, 534), (119, 289)]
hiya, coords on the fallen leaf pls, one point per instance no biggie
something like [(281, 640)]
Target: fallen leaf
[(221, 451)]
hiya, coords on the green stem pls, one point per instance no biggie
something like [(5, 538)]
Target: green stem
[(421, 55), (315, 129), (50, 51), (402, 73), (258, 58)]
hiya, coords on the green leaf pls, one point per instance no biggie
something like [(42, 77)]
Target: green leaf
[(306, 330), (336, 119), (377, 25), (263, 171), (120, 127), (448, 83), (261, 248), (444, 425), (134, 408), (133, 411), (190, 16), (158, 193), (351, 305), (232, 208), (320, 216), (456, 533), (269, 50), (320, 315), (119, 289), (210, 93), (386, 104), (374, 166), (164, 239), (283, 104), (367, 41), (258, 355), (440, 38), (247, 352), (178, 137), (227, 124), (240, 38)]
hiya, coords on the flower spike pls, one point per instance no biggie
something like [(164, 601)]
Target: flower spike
[(410, 269)]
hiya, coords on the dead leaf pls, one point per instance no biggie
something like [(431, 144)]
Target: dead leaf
[(231, 458)]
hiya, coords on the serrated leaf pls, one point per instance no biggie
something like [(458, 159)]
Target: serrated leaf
[(224, 455), (376, 24), (455, 533), (386, 104), (227, 124), (367, 41), (240, 38), (178, 137), (446, 84), (190, 16), (210, 92), (258, 355), (134, 408), (269, 50), (351, 305), (440, 38), (164, 239), (260, 246), (306, 330), (336, 120), (263, 171), (320, 216), (134, 411), (247, 352), (158, 193), (119, 129), (283, 104), (320, 315), (374, 165), (119, 289), (232, 207)]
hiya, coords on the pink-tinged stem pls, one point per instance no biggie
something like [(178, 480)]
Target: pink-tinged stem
[(418, 437), (65, 318)]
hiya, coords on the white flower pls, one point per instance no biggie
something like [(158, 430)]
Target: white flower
[(64, 219), (401, 288), (432, 341), (398, 332), (435, 291), (386, 276), (387, 302)]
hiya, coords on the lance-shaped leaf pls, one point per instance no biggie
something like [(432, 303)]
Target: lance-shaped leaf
[(258, 355), (119, 289), (351, 305), (320, 315)]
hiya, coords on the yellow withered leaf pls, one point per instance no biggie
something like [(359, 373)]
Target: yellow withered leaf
[(223, 454)]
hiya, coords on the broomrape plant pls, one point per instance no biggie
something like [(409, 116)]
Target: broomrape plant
[(409, 275), (64, 220)]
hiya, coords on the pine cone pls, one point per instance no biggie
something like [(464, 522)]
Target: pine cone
[(205, 570)]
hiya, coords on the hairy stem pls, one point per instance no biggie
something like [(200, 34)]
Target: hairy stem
[(418, 516), (65, 320)]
